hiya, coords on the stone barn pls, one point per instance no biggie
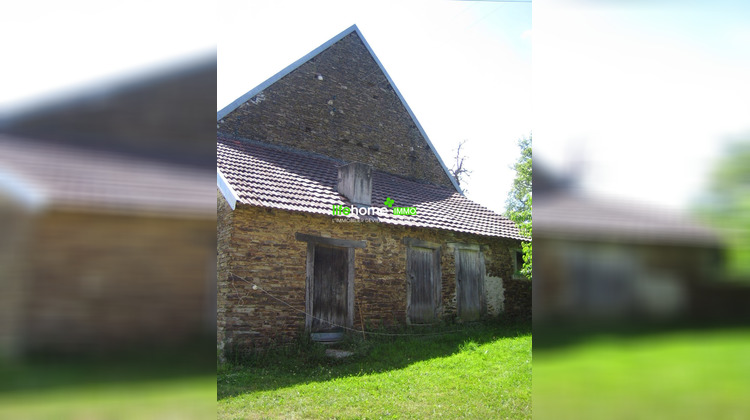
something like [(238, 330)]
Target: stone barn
[(336, 213)]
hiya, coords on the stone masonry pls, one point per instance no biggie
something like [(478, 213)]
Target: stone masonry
[(339, 104), (257, 247)]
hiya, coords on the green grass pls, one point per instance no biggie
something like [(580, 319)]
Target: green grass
[(183, 398), (150, 383), (482, 372), (685, 375)]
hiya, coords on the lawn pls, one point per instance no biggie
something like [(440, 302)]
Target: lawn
[(483, 371), (684, 374), (152, 383), (183, 398)]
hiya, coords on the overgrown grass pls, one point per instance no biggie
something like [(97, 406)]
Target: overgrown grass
[(483, 371), (697, 374)]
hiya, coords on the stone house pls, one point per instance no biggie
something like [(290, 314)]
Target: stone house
[(313, 168)]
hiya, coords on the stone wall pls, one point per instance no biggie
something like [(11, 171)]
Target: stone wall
[(262, 279), (520, 306), (224, 222), (108, 282), (341, 105)]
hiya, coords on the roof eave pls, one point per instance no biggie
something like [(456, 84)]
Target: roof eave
[(22, 192), (226, 189)]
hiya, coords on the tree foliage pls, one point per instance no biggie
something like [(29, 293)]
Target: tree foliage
[(519, 203), (726, 205)]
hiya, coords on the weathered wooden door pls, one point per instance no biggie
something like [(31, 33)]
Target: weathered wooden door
[(469, 284), (330, 289), (423, 287)]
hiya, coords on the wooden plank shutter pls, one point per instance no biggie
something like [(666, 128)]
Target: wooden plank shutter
[(469, 284), (423, 285), (329, 284), (330, 288)]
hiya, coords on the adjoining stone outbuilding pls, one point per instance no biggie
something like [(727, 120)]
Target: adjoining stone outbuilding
[(335, 212)]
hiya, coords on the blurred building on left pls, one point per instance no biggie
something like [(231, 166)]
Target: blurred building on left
[(107, 217)]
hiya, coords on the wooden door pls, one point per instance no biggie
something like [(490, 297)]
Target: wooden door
[(330, 289), (469, 284), (423, 287)]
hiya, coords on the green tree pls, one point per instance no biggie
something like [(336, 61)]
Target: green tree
[(519, 202), (726, 205)]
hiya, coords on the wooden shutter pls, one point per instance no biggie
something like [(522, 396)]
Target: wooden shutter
[(330, 288), (423, 288), (329, 284), (469, 284)]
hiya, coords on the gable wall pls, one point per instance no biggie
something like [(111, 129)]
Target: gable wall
[(263, 251), (353, 114)]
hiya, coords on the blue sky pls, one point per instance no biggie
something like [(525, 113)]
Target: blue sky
[(463, 67)]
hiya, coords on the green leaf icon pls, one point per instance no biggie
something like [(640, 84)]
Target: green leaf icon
[(388, 202)]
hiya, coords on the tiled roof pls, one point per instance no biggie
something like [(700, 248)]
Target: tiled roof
[(271, 176), (567, 215), (47, 175)]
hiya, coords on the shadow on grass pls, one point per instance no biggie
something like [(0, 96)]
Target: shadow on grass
[(306, 362), (48, 370)]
